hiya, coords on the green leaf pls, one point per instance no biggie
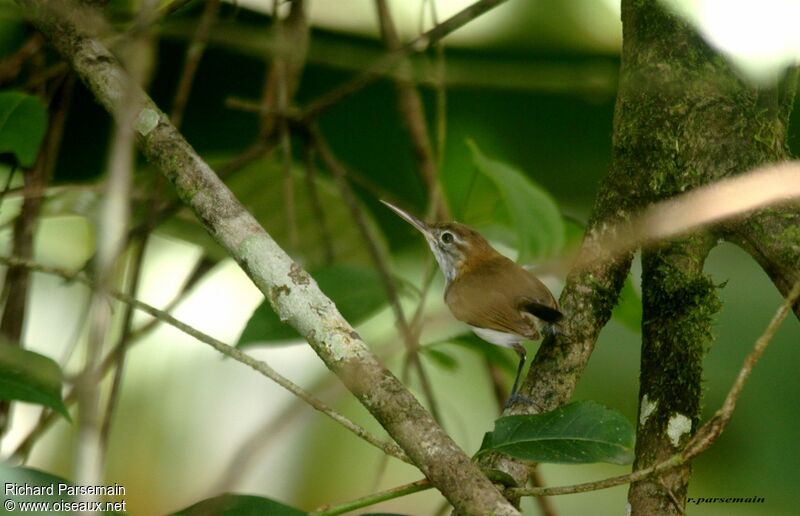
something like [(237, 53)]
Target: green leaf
[(356, 291), (23, 121), (31, 377), (534, 214), (629, 307), (579, 433), (239, 505)]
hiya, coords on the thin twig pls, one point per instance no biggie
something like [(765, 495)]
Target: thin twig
[(390, 60), (173, 206), (714, 427), (227, 350), (194, 54), (440, 87), (412, 113), (172, 7), (287, 63), (16, 285), (288, 172), (9, 178), (201, 267), (366, 501), (111, 239), (770, 184), (136, 267), (427, 280), (11, 65)]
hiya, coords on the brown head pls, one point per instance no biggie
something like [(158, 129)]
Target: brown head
[(455, 246)]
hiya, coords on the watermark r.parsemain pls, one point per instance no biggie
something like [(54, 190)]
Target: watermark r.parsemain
[(700, 500), (63, 497)]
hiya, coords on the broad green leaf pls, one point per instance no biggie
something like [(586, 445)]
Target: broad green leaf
[(23, 121), (533, 213), (31, 377), (357, 292), (579, 433), (239, 505), (629, 307)]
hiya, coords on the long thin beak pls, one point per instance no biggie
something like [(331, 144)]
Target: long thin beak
[(424, 228)]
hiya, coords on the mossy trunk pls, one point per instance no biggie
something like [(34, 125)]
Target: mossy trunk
[(683, 119)]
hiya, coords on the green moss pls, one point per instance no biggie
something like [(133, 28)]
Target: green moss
[(679, 307), (790, 234)]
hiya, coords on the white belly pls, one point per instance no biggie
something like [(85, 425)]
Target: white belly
[(499, 338)]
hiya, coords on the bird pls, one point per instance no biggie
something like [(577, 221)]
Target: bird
[(503, 303)]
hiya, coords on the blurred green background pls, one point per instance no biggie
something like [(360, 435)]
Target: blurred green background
[(533, 84)]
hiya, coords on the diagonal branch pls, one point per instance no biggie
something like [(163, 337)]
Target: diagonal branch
[(772, 238), (293, 294)]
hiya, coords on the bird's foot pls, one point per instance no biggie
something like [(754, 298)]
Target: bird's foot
[(517, 399)]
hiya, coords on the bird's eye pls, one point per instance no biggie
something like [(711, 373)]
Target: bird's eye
[(447, 237)]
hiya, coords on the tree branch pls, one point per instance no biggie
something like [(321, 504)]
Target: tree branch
[(293, 294), (679, 302), (772, 237)]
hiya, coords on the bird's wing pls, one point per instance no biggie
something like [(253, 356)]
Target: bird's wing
[(472, 302)]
